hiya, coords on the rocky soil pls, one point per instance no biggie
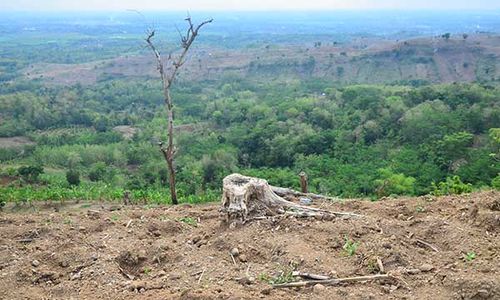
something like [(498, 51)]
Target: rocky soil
[(435, 248)]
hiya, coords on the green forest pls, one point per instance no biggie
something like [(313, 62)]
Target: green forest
[(352, 140)]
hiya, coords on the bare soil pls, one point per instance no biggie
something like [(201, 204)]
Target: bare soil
[(94, 251), (15, 142), (364, 60)]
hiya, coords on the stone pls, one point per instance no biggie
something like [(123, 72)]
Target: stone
[(243, 258), (35, 263), (426, 268), (266, 291), (235, 252), (305, 201), (319, 288), (483, 293)]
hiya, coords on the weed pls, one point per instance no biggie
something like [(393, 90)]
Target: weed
[(284, 276), (420, 209), (115, 218), (350, 247), (189, 221), (470, 256), (147, 270)]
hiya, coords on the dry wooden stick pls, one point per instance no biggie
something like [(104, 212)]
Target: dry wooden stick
[(201, 276), (332, 281), (427, 244), (311, 276), (128, 223), (380, 265)]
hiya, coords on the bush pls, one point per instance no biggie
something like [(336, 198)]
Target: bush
[(495, 183), (452, 186), (73, 177), (394, 184), (30, 173), (97, 171)]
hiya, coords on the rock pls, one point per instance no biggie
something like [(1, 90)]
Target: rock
[(413, 271), (319, 288), (266, 291), (137, 286), (76, 276), (305, 201), (483, 293), (426, 268), (247, 280), (82, 228), (35, 263), (243, 258), (235, 252)]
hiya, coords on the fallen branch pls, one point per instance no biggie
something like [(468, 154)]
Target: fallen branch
[(427, 244), (131, 277), (335, 281), (293, 194), (201, 276), (311, 276)]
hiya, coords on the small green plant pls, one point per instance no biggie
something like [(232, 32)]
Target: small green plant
[(470, 256), (115, 218), (284, 276), (264, 277), (147, 270), (451, 186), (190, 221), (350, 247), (420, 209)]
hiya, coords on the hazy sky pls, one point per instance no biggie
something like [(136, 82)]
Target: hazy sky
[(193, 5)]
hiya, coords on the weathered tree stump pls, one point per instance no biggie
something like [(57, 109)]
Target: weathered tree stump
[(246, 198)]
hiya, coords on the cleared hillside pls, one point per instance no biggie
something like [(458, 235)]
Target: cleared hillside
[(435, 60), (436, 248)]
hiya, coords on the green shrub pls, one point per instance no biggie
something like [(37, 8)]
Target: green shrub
[(394, 184), (452, 186), (30, 173), (495, 182), (73, 177), (97, 171)]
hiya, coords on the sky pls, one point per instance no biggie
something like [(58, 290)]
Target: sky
[(254, 5)]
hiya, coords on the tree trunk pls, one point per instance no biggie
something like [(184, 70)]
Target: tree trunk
[(170, 148), (245, 198)]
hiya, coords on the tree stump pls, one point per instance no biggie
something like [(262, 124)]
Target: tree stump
[(246, 198)]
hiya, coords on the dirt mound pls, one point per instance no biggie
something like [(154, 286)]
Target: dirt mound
[(438, 248)]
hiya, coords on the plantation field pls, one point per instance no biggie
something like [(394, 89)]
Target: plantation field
[(434, 247)]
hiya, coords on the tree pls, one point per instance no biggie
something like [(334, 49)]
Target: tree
[(168, 70), (30, 173), (73, 177)]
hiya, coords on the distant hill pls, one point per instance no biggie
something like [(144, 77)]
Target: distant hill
[(436, 60)]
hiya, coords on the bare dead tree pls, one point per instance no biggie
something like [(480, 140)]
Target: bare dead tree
[(168, 69)]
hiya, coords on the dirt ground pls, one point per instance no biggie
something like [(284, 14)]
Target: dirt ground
[(94, 251)]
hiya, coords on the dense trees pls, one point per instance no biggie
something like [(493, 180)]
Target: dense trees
[(352, 141)]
